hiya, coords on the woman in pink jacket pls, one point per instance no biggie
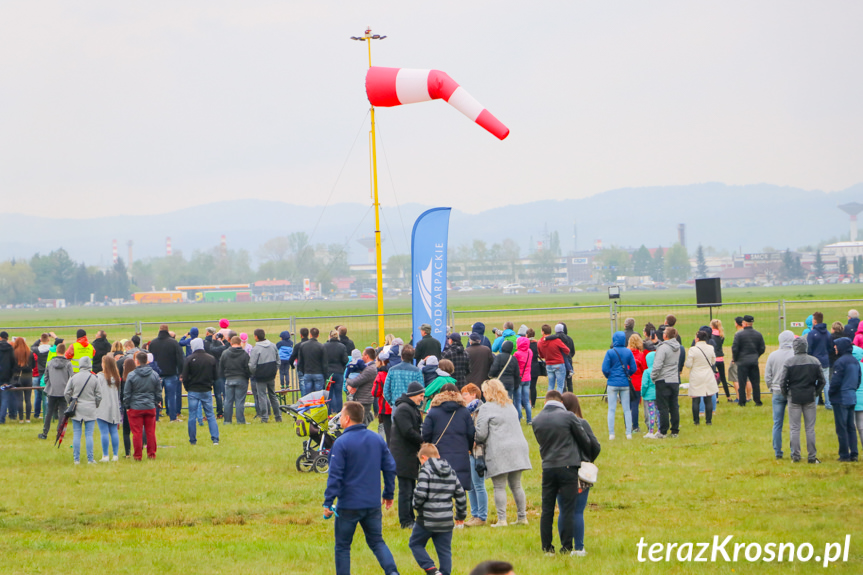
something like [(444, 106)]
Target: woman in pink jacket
[(522, 392), (858, 337)]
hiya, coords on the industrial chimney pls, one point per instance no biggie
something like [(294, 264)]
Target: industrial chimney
[(168, 250), (114, 253), (852, 210)]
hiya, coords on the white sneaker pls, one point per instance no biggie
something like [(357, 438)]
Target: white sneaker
[(115, 458), (610, 437), (105, 459), (649, 436), (629, 436), (578, 553), (500, 524)]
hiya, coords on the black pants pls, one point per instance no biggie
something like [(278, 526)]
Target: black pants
[(406, 500), (127, 434), (708, 409), (569, 383), (563, 482), (25, 398), (666, 400), (750, 372), (386, 419), (533, 379), (56, 407), (720, 365)]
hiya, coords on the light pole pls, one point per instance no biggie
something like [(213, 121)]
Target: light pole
[(368, 37)]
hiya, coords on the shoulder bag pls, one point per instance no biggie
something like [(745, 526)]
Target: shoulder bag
[(712, 365), (73, 404)]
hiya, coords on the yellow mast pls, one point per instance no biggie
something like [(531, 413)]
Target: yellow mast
[(368, 37)]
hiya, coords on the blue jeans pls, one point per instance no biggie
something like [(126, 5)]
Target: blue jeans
[(345, 527), (522, 398), (205, 400), (76, 438), (108, 430), (846, 431), (235, 399), (478, 495), (8, 402), (442, 544), (313, 382), (826, 372), (556, 377), (578, 522), (172, 387), (285, 374), (779, 404), (623, 394), (701, 403), (219, 392), (337, 393)]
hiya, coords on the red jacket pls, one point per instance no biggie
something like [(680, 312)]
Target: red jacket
[(641, 365), (552, 350), (378, 393)]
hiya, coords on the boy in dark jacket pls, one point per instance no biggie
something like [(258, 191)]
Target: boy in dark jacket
[(844, 382), (285, 345), (436, 489), (405, 441), (820, 342)]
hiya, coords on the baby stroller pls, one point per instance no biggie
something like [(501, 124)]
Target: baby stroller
[(311, 420)]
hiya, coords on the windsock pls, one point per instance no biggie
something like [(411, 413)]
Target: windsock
[(388, 87)]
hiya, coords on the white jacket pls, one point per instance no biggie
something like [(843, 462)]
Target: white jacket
[(699, 360)]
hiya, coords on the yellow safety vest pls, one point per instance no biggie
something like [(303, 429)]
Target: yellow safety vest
[(79, 351)]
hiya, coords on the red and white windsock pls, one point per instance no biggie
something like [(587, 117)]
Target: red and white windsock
[(388, 87)]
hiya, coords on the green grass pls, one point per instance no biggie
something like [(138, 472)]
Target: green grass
[(243, 508)]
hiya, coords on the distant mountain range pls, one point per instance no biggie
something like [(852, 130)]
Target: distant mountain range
[(725, 217)]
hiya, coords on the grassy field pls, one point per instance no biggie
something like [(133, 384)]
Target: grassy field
[(243, 508)]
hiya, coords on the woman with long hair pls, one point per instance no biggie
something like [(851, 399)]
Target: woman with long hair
[(22, 376), (719, 339), (507, 454), (108, 416), (128, 368), (449, 426), (636, 346), (571, 403)]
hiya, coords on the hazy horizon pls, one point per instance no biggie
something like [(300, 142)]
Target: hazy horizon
[(117, 109)]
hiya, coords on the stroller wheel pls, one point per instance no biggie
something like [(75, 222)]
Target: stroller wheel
[(322, 464), (304, 464)]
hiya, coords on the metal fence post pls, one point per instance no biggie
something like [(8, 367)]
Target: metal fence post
[(781, 304), (611, 316)]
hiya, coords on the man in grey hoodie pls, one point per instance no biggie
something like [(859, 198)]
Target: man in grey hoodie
[(264, 365), (58, 372), (667, 379), (774, 375)]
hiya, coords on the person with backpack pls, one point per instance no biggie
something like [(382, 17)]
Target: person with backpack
[(618, 367), (437, 488)]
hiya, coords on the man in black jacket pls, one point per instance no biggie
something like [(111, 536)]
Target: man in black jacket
[(101, 348), (199, 374), (748, 346), (802, 381), (215, 345), (313, 360), (345, 340), (480, 357), (427, 345), (337, 359), (168, 355), (562, 440), (234, 368), (405, 441)]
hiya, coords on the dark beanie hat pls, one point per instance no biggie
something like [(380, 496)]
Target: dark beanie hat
[(475, 337), (455, 337), (81, 333), (415, 388)]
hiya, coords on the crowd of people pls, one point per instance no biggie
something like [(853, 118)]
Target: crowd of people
[(449, 415)]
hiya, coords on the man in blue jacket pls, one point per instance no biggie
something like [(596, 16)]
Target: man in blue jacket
[(843, 396), (357, 460), (820, 342)]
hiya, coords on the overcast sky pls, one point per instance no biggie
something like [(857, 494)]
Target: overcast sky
[(120, 107)]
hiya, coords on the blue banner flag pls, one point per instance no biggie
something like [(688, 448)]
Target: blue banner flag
[(428, 273)]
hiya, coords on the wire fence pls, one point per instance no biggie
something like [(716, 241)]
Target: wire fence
[(590, 327)]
